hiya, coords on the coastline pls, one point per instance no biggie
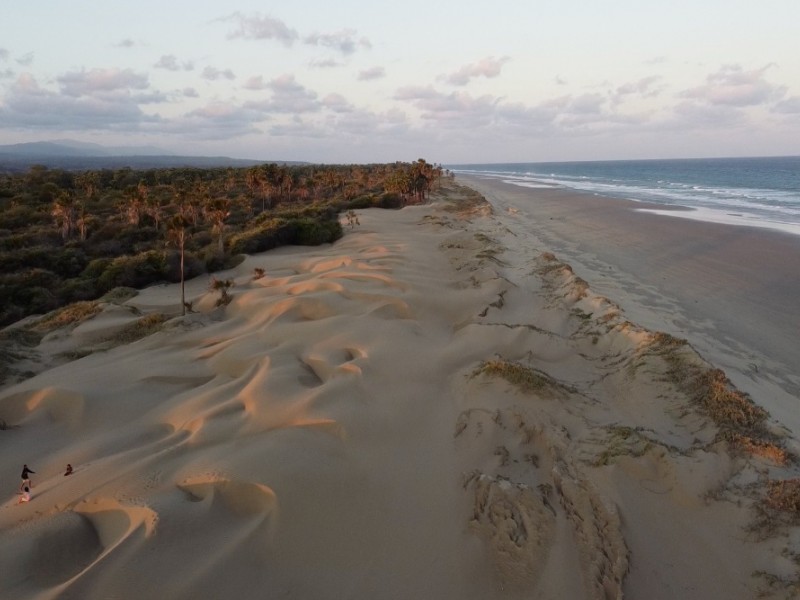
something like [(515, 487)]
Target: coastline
[(732, 291), (440, 404)]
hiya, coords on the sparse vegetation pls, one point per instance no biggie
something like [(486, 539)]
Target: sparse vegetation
[(524, 377), (73, 314), (222, 286), (623, 441), (784, 495), (142, 328)]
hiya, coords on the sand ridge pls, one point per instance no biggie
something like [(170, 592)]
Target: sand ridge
[(424, 409)]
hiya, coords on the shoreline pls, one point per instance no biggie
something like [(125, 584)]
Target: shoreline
[(732, 291)]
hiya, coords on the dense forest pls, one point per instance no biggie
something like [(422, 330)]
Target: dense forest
[(71, 236)]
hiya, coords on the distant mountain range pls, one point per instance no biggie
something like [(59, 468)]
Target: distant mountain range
[(75, 155)]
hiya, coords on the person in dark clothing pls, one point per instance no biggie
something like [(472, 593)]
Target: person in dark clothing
[(26, 477), (69, 470)]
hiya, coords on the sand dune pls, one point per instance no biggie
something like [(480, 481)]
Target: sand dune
[(419, 410)]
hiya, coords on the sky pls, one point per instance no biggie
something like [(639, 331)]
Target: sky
[(355, 81)]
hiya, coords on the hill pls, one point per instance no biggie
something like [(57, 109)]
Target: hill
[(72, 155)]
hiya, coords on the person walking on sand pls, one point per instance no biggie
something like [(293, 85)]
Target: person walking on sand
[(26, 477), (69, 470), (26, 495)]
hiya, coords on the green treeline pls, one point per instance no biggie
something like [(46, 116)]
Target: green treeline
[(72, 236)]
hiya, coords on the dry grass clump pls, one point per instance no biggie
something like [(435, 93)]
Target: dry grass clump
[(784, 495), (759, 447), (69, 315), (623, 441), (727, 406), (140, 329), (463, 200), (526, 378)]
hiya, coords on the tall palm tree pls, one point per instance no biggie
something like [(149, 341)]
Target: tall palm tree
[(217, 211), (178, 233), (64, 213)]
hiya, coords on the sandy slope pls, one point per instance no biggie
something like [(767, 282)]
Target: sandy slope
[(417, 411)]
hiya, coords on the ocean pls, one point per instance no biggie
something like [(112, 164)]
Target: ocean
[(760, 192)]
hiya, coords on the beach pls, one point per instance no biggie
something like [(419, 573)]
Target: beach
[(732, 291), (493, 395)]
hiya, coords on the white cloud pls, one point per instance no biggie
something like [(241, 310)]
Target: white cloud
[(642, 87), (326, 63), (81, 83), (257, 27), (336, 103), (288, 96), (371, 73), (254, 83), (26, 60), (344, 41), (190, 92), (126, 43), (27, 104), (3, 54), (213, 74), (488, 67), (170, 63), (790, 106), (733, 86)]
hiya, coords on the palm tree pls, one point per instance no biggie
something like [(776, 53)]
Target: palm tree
[(64, 213), (217, 212), (178, 233)]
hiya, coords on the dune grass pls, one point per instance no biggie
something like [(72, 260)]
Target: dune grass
[(72, 314), (526, 378), (142, 328)]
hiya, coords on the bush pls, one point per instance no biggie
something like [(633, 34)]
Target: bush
[(390, 200), (77, 289), (134, 271), (271, 234), (312, 232)]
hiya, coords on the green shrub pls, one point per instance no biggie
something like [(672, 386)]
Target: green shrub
[(390, 200), (312, 232), (134, 271)]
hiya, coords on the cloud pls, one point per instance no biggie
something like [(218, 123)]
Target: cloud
[(288, 96), (415, 92), (28, 105), (170, 63), (3, 54), (790, 106), (343, 41), (337, 103), (488, 67), (7, 74), (190, 92), (126, 43), (692, 115), (26, 59), (733, 86), (254, 83), (643, 87), (257, 27), (586, 104), (371, 74), (215, 121), (213, 74), (80, 83), (327, 63)]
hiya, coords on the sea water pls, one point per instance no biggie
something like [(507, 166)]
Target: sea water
[(762, 192)]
